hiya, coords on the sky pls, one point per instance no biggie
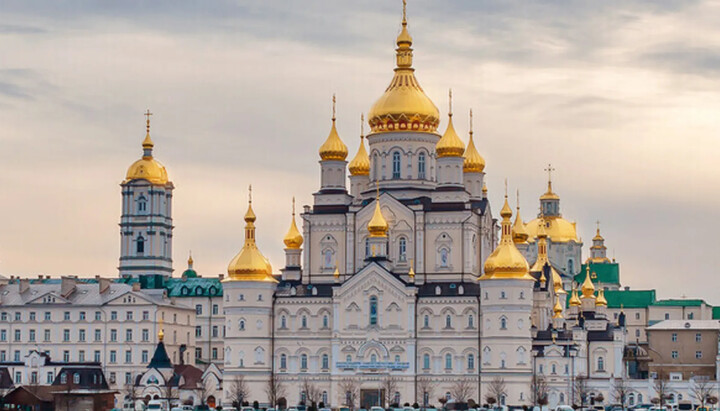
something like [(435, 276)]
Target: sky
[(621, 96)]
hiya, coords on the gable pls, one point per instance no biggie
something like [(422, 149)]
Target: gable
[(375, 276)]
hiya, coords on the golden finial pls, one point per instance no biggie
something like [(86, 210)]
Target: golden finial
[(506, 185), (147, 115), (333, 117), (404, 13), (161, 333), (471, 131), (336, 274), (147, 143), (293, 239), (450, 102), (411, 272), (250, 194), (190, 260), (549, 170), (362, 126), (557, 309)]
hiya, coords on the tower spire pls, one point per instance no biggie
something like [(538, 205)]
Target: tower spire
[(147, 143)]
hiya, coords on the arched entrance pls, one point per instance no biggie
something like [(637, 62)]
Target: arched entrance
[(211, 401)]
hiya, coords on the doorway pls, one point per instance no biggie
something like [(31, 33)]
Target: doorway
[(372, 398)]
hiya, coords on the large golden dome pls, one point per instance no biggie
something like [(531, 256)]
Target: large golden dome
[(249, 264), (147, 168), (506, 261), (404, 106), (558, 229), (450, 144)]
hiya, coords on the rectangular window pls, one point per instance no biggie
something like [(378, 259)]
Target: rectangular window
[(698, 337), (82, 315), (698, 354), (3, 317), (112, 378), (46, 336), (674, 337), (34, 377), (98, 316), (215, 309), (128, 356), (198, 309), (32, 336), (3, 356), (198, 331), (32, 316), (66, 356), (3, 335), (66, 316), (637, 316), (146, 315), (215, 331), (50, 377), (113, 356), (198, 353), (113, 315), (128, 335), (18, 377), (48, 315), (129, 315), (81, 335), (18, 316), (128, 378), (674, 354), (17, 335), (145, 334), (66, 335), (214, 353), (145, 357), (16, 356), (96, 356), (113, 335), (81, 355), (98, 334)]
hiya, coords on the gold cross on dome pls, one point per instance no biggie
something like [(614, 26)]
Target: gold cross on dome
[(549, 170), (147, 114)]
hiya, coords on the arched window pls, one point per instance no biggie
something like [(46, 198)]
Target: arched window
[(283, 322), (553, 368), (503, 323), (63, 378), (471, 362), (448, 361), (140, 245), (571, 267), (426, 361), (303, 321), (348, 358), (631, 399), (241, 325), (402, 249), (325, 362), (76, 378), (444, 257), (283, 361), (639, 399), (503, 295), (397, 358), (373, 358), (328, 259), (426, 321), (303, 362), (396, 165), (601, 364), (471, 321), (521, 355), (562, 398), (448, 321), (325, 397), (376, 169), (142, 204), (421, 166), (373, 310), (326, 322)]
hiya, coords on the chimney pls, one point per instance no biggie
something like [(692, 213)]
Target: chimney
[(221, 277), (103, 284), (67, 286), (136, 287), (24, 284)]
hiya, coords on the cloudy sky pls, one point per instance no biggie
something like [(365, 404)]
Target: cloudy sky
[(621, 96)]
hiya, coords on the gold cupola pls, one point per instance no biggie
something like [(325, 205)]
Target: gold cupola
[(600, 301), (360, 165), (574, 299), (450, 144), (557, 309), (519, 232), (147, 168), (474, 162), (588, 288), (333, 148), (378, 226), (543, 259), (249, 264), (404, 106), (293, 239), (506, 262)]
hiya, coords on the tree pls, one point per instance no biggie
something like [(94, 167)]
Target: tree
[(203, 390), (274, 389), (661, 389), (496, 389), (238, 391), (425, 390), (390, 386), (172, 393), (581, 390), (462, 389), (349, 392), (132, 392), (701, 390), (312, 393), (620, 392), (539, 390)]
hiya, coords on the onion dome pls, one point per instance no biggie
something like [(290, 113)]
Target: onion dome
[(600, 301), (411, 272), (249, 264), (519, 232), (450, 144), (336, 274), (574, 299), (404, 106), (558, 229), (557, 309), (190, 272), (506, 261), (333, 148), (474, 163), (378, 226), (360, 165), (588, 288), (293, 239), (147, 168)]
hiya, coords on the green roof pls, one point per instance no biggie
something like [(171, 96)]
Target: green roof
[(194, 287), (630, 298), (605, 273), (680, 303), (716, 313)]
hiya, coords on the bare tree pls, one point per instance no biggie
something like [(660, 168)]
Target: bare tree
[(132, 392), (312, 393), (581, 390), (661, 387), (496, 389), (203, 390), (349, 392), (539, 390), (238, 391), (620, 392), (425, 389), (462, 389), (701, 390), (274, 389), (390, 386), (172, 393)]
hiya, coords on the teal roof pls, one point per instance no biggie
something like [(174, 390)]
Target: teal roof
[(680, 303), (605, 273), (194, 287), (630, 298), (716, 313), (190, 273)]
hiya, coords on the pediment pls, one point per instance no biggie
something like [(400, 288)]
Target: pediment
[(50, 297), (397, 214), (374, 276)]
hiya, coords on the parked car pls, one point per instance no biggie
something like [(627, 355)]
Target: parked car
[(563, 408), (376, 408)]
